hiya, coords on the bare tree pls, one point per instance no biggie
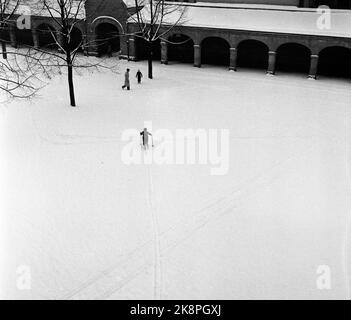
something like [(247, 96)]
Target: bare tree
[(29, 65), (8, 9), (154, 19), (21, 75), (66, 14)]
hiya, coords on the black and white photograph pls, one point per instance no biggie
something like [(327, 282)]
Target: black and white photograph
[(155, 150)]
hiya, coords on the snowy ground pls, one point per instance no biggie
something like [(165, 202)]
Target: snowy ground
[(88, 226)]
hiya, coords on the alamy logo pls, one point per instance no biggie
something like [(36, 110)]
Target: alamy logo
[(323, 277), (324, 19), (24, 20), (24, 279), (181, 147)]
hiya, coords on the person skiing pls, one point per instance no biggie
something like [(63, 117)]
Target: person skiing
[(126, 80), (139, 75), (144, 135)]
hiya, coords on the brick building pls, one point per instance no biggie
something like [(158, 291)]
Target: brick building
[(272, 35), (289, 37)]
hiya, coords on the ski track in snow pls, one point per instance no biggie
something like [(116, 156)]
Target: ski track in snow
[(175, 236), (157, 241), (217, 208), (149, 255)]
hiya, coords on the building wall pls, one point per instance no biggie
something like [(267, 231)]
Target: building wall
[(106, 11), (111, 8), (114, 12)]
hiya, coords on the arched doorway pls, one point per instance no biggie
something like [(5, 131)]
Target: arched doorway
[(180, 48), (252, 54), (142, 49), (335, 62), (4, 40), (24, 37), (107, 38), (215, 51), (5, 33), (46, 36), (293, 57)]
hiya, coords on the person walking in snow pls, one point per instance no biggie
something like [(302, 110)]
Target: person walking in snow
[(144, 135), (126, 80), (139, 75)]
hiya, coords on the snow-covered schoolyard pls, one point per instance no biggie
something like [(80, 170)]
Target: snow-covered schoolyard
[(83, 224)]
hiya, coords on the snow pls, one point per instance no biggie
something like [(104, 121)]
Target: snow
[(88, 226), (264, 19), (240, 5)]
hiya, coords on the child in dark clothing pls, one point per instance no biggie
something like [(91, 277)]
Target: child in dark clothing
[(139, 75)]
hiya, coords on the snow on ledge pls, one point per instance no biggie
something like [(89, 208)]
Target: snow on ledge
[(291, 20), (252, 6)]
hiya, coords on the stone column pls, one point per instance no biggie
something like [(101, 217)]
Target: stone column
[(271, 62), (164, 52), (197, 55), (124, 47), (35, 38), (233, 58), (13, 36), (313, 66), (132, 54)]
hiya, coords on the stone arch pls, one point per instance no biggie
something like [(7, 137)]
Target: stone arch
[(24, 37), (107, 19), (180, 48), (293, 57), (107, 38), (185, 33), (241, 38), (335, 61), (324, 45), (107, 31), (252, 53), (6, 33), (201, 36), (215, 50), (277, 43)]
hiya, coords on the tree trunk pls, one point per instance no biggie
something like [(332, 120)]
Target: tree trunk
[(71, 85), (3, 43), (69, 66), (3, 49), (149, 59)]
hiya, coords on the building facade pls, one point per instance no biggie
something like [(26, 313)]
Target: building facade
[(235, 44), (290, 37)]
